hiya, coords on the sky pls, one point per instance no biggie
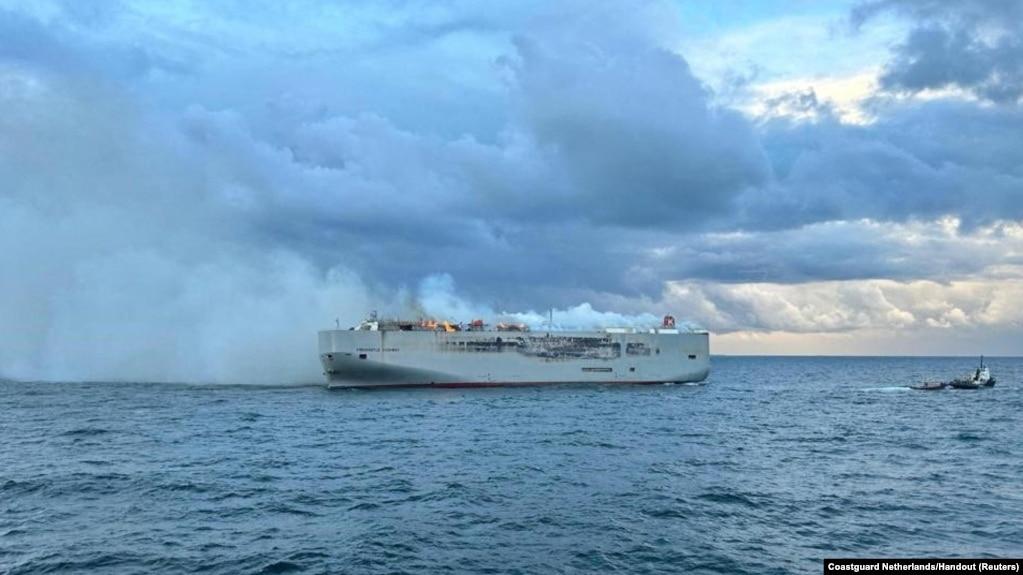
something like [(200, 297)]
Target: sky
[(189, 190)]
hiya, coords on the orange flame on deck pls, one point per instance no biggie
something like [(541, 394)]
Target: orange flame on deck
[(434, 325)]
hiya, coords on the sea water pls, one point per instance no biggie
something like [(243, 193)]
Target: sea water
[(771, 465)]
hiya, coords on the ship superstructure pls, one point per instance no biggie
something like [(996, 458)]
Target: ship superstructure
[(382, 353)]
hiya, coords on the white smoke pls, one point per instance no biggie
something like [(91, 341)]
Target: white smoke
[(159, 313), (438, 297), (125, 258)]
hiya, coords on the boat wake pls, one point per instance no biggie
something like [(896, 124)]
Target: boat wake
[(888, 388)]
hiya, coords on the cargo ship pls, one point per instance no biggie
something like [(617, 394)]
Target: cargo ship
[(398, 353)]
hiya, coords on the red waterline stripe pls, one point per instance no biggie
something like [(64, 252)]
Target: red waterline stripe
[(478, 384)]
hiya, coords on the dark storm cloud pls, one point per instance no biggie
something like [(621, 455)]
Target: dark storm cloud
[(834, 251), (917, 160), (610, 137), (971, 12), (634, 133), (975, 45), (607, 138), (935, 57)]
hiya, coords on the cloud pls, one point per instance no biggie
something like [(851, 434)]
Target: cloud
[(919, 160), (854, 250), (974, 45), (813, 99), (634, 133), (822, 307)]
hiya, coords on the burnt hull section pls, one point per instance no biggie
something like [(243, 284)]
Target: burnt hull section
[(371, 359)]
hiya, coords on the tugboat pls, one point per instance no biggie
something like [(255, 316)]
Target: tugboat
[(980, 378)]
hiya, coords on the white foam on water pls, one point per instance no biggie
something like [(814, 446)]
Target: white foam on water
[(888, 388)]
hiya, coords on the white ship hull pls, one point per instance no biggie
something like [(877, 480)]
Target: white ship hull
[(364, 358)]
